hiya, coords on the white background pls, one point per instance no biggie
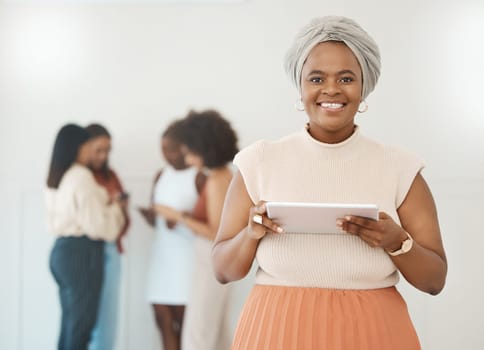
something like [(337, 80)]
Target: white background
[(134, 67)]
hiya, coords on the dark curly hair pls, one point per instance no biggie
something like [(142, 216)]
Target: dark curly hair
[(174, 130), (210, 136)]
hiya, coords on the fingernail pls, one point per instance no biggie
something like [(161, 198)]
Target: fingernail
[(339, 223), (347, 217), (279, 230)]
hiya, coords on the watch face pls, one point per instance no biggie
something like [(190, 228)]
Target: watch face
[(407, 245)]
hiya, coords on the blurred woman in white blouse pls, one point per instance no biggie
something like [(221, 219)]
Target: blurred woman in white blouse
[(82, 216)]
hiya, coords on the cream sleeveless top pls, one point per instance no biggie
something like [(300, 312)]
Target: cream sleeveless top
[(299, 168)]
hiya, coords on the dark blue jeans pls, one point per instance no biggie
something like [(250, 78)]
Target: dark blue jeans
[(77, 266)]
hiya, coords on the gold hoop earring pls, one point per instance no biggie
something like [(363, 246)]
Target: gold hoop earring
[(299, 106), (365, 107)]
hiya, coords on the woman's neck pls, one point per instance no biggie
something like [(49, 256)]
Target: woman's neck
[(330, 137)]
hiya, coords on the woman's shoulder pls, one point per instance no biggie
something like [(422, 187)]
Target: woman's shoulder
[(219, 179), (391, 153), (78, 173), (157, 175), (264, 146), (219, 175), (78, 177), (289, 139)]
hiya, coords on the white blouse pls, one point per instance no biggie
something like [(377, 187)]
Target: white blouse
[(80, 206)]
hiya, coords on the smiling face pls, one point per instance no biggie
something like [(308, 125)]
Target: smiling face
[(331, 84), (172, 152)]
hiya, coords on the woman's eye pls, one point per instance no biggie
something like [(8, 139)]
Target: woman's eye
[(315, 80), (346, 80)]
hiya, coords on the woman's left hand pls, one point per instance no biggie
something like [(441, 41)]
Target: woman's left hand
[(384, 233)]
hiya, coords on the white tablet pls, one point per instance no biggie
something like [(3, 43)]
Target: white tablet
[(316, 217)]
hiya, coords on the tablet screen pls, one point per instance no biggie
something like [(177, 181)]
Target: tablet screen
[(316, 217)]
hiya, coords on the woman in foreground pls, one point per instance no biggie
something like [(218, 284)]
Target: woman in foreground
[(330, 291)]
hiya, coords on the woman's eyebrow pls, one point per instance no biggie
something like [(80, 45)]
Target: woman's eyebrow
[(346, 71), (342, 72), (319, 72)]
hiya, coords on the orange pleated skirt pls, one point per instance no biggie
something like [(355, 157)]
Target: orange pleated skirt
[(294, 318)]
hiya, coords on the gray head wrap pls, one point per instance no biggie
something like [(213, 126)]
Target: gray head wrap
[(335, 28)]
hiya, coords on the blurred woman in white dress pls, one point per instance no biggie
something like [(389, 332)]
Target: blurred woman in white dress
[(171, 266)]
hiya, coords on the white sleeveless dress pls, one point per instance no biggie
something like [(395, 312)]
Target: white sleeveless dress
[(172, 258)]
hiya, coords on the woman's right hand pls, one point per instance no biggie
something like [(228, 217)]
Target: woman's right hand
[(257, 230)]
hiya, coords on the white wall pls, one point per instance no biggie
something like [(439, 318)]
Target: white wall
[(135, 67)]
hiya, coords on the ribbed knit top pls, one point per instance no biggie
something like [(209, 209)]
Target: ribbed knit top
[(298, 168)]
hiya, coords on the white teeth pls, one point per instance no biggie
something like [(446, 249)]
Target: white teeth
[(331, 105)]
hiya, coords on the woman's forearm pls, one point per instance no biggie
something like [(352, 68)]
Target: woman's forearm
[(233, 257), (423, 268), (199, 227)]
